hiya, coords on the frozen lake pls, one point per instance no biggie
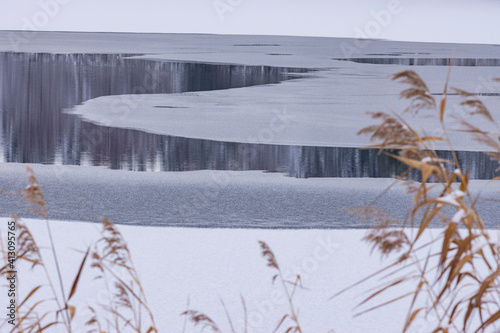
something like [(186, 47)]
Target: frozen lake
[(37, 87), (213, 198), (235, 104)]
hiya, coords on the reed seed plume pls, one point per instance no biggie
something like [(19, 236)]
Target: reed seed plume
[(392, 132), (418, 93), (198, 318), (27, 248), (473, 104), (269, 255), (33, 194)]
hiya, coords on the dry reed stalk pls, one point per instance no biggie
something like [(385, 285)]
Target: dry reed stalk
[(199, 318), (110, 254), (111, 257), (33, 195), (458, 281), (272, 262)]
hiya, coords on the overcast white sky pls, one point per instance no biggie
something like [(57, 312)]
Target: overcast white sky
[(468, 21)]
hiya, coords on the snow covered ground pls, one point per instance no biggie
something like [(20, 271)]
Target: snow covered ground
[(203, 266), (197, 268)]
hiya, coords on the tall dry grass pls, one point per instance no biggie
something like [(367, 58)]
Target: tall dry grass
[(110, 258), (452, 280), (289, 322)]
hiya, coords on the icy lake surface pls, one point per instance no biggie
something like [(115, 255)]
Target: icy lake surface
[(290, 105), (214, 198), (38, 87)]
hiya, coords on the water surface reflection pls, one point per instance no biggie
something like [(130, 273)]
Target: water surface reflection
[(35, 88)]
